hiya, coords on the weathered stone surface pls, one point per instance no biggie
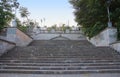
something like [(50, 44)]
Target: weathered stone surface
[(74, 75), (49, 36), (60, 59), (116, 46), (105, 38), (5, 45), (18, 37)]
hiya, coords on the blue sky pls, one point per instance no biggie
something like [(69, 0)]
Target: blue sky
[(54, 11)]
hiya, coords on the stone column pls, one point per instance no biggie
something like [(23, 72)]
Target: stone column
[(111, 35), (11, 32)]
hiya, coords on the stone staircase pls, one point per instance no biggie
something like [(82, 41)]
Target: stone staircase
[(60, 59)]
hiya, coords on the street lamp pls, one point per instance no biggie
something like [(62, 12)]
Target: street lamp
[(14, 23), (108, 6)]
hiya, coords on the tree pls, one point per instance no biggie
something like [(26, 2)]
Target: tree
[(6, 8), (24, 12), (21, 26), (92, 15)]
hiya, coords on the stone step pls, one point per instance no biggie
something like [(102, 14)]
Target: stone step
[(54, 63), (86, 53), (60, 57), (60, 67), (84, 66), (55, 50), (60, 64), (82, 71), (91, 57), (51, 55), (65, 48), (57, 58), (61, 51), (60, 60), (60, 43), (62, 75)]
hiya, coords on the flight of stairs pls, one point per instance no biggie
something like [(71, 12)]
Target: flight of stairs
[(60, 58)]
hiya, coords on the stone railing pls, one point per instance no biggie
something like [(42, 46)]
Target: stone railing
[(58, 31)]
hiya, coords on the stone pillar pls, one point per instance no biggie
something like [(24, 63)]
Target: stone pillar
[(11, 34), (67, 31), (14, 23), (53, 31), (11, 31), (111, 35)]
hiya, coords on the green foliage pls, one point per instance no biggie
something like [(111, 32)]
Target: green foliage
[(24, 12), (63, 28), (23, 28), (54, 27), (6, 7), (29, 24), (92, 15), (49, 29), (20, 26)]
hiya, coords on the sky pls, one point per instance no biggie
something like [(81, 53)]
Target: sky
[(53, 11)]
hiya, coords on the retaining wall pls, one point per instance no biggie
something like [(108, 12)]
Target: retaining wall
[(105, 38), (49, 36), (116, 46), (5, 46)]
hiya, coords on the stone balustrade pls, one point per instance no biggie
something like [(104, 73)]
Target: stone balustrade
[(58, 31)]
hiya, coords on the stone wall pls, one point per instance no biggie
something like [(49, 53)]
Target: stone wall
[(105, 38), (49, 36), (22, 39), (18, 37), (116, 46), (5, 45)]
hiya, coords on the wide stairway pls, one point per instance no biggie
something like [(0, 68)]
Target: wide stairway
[(60, 59)]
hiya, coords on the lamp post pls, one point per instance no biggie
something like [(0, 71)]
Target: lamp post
[(108, 10), (14, 23)]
